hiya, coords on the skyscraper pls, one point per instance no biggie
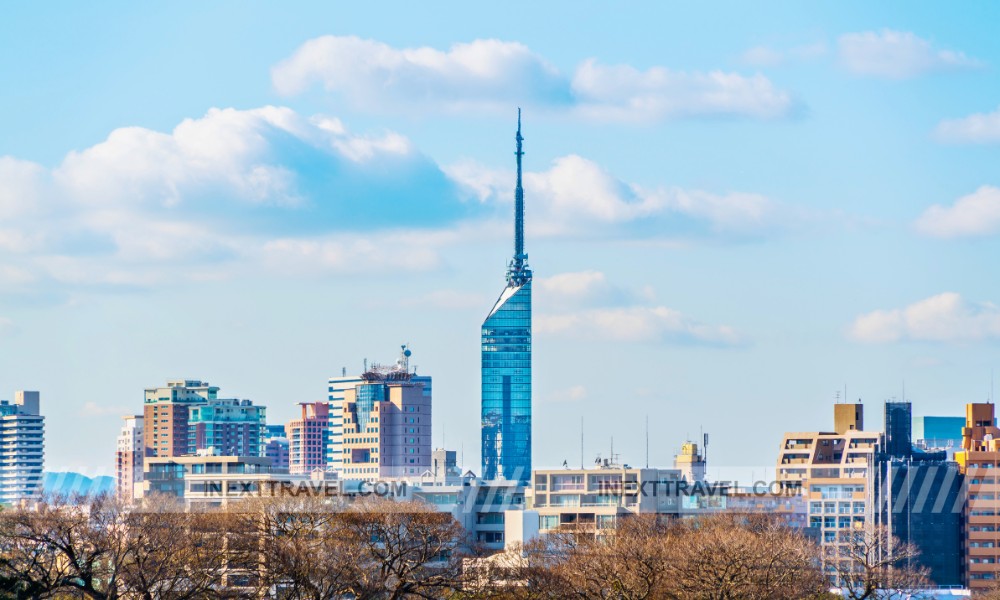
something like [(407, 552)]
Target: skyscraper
[(506, 361), (308, 437), (22, 448)]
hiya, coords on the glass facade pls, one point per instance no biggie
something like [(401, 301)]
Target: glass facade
[(506, 386)]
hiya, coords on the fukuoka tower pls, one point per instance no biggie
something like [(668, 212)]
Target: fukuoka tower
[(506, 365)]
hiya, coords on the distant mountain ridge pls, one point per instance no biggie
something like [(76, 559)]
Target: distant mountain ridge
[(70, 483)]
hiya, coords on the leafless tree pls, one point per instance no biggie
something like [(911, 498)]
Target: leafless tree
[(869, 561)]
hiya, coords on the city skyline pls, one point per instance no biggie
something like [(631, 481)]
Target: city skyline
[(731, 212)]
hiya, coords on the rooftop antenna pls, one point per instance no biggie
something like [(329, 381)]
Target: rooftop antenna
[(343, 371), (647, 441), (581, 442), (366, 365)]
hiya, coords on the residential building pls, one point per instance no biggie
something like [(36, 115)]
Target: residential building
[(386, 425), (336, 386), (276, 449), (831, 471), (232, 426), (274, 431), (591, 501), (166, 411), (918, 497), (979, 461), (22, 448), (129, 457), (506, 361), (167, 475), (308, 437)]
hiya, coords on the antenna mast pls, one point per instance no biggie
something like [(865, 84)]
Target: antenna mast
[(518, 272)]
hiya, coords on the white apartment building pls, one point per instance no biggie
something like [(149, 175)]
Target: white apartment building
[(22, 448)]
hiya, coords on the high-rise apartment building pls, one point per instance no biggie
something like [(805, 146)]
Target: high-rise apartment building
[(386, 425), (233, 427), (166, 411), (831, 471), (979, 461), (308, 438), (129, 457), (336, 386), (506, 361), (22, 448)]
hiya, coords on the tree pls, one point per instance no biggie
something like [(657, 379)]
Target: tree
[(869, 561), (404, 549)]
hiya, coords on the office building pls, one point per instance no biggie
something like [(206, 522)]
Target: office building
[(336, 386), (233, 427), (22, 448), (308, 438), (979, 461), (506, 361), (129, 457), (918, 496), (386, 425), (166, 411), (938, 433)]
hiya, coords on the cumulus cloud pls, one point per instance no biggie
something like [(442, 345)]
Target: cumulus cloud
[(576, 195), (652, 324), (496, 74), (586, 288), (979, 128), (896, 55), (977, 214), (945, 317)]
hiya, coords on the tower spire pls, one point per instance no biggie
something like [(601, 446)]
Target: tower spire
[(518, 272)]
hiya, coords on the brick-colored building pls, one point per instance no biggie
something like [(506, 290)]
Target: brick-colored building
[(308, 438), (979, 460), (166, 411)]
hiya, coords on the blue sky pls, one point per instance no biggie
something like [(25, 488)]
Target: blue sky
[(733, 211)]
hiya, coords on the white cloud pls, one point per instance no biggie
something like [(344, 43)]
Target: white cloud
[(979, 128), (448, 300), (942, 318), (21, 187), (577, 196), (621, 92), (492, 74), (373, 74), (636, 324), (580, 284), (896, 55), (977, 214)]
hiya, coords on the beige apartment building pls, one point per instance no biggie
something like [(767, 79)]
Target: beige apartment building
[(830, 470)]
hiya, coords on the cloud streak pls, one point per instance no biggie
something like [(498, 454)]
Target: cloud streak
[(896, 55), (945, 317), (979, 128), (489, 74)]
